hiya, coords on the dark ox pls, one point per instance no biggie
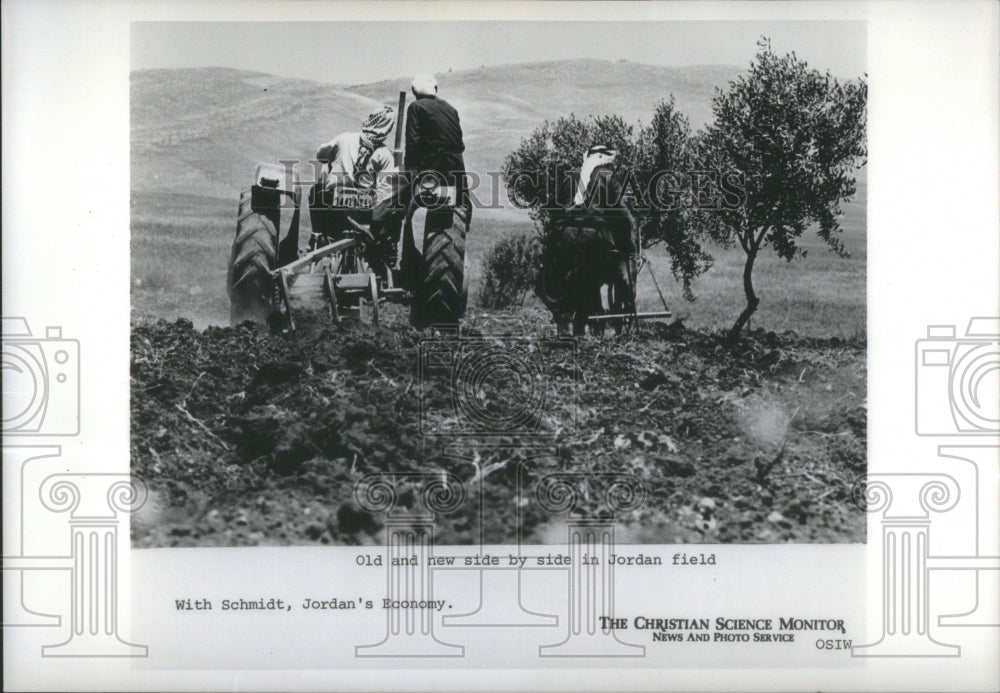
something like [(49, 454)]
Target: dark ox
[(587, 248)]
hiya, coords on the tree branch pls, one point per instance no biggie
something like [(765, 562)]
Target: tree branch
[(743, 242), (760, 238)]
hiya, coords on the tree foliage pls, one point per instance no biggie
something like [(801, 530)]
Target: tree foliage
[(778, 158), (668, 159), (797, 136), (543, 172)]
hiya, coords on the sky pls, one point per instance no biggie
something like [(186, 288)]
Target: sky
[(363, 52)]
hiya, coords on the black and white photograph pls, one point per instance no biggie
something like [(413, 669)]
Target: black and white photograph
[(498, 252), (484, 346)]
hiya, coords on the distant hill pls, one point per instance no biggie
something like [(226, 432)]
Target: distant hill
[(530, 91), (501, 104), (199, 131)]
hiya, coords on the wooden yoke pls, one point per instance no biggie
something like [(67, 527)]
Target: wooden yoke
[(397, 151)]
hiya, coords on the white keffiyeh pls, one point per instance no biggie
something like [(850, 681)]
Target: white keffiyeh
[(598, 155)]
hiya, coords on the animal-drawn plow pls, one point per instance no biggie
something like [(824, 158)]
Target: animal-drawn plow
[(587, 249), (629, 319)]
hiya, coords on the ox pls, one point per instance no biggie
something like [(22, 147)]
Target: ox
[(587, 247)]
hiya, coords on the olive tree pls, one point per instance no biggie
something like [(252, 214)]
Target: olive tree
[(797, 136), (671, 175)]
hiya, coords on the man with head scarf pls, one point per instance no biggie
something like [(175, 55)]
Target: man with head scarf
[(592, 244), (599, 159), (362, 160)]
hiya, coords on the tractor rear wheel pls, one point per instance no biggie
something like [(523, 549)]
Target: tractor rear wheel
[(254, 255), (442, 291)]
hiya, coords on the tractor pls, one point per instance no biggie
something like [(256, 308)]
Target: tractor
[(270, 276)]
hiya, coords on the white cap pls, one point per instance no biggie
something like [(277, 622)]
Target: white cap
[(424, 84)]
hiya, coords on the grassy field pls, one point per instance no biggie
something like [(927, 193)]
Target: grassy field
[(179, 252), (820, 295)]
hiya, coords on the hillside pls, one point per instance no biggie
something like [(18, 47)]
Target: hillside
[(502, 104), (199, 131), (249, 438)]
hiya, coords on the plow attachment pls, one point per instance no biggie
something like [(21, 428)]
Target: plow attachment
[(656, 315), (633, 318), (337, 276)]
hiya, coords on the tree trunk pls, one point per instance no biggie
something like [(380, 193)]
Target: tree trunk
[(752, 300)]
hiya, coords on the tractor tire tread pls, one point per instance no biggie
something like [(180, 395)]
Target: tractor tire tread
[(443, 288), (252, 259)]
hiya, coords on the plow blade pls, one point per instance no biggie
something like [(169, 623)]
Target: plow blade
[(658, 315)]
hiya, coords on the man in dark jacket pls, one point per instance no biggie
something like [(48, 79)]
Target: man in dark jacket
[(433, 143), (433, 133)]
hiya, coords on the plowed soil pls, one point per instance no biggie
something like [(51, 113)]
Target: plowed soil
[(248, 438)]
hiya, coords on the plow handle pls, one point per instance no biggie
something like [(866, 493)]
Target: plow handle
[(397, 152)]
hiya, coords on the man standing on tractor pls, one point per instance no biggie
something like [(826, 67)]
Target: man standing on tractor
[(433, 146), (433, 134)]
